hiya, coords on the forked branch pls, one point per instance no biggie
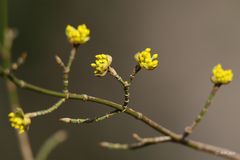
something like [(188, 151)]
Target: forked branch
[(176, 138), (145, 60)]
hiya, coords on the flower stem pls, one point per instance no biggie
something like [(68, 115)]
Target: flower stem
[(202, 114), (67, 69)]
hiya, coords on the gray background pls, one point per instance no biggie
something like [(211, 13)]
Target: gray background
[(190, 37)]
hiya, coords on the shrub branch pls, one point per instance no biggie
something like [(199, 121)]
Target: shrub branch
[(176, 138)]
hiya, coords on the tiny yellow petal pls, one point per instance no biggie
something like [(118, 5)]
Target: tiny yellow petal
[(155, 56), (11, 114), (93, 65)]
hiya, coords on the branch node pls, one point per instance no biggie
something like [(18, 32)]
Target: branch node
[(137, 137), (84, 97), (22, 84), (66, 93), (59, 61), (19, 61)]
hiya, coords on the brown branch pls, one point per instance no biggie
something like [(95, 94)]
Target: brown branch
[(176, 138), (201, 115), (142, 142), (67, 69), (126, 88), (20, 61)]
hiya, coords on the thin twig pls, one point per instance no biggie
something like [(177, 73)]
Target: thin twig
[(46, 111), (67, 69), (50, 144), (110, 114), (20, 61), (142, 142), (126, 88), (90, 120), (59, 61), (201, 115), (113, 72), (132, 76)]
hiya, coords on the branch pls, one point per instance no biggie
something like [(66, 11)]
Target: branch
[(201, 115), (67, 69), (50, 144), (142, 142), (126, 86), (46, 111), (176, 138), (20, 61), (91, 120)]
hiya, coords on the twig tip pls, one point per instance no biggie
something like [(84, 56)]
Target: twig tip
[(66, 120)]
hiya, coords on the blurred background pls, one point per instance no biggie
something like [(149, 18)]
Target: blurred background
[(190, 36)]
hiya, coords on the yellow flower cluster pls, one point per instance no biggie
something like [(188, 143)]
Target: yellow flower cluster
[(221, 76), (145, 60), (102, 62), (79, 35), (19, 121)]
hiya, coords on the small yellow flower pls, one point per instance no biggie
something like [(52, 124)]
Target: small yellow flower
[(221, 76), (78, 36), (101, 65), (145, 60), (19, 121)]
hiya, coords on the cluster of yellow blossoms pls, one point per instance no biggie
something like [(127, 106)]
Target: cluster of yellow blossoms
[(101, 65), (19, 121), (221, 76), (78, 36), (145, 60)]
